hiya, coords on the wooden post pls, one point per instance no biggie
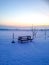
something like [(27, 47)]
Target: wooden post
[(45, 34), (32, 32), (13, 38)]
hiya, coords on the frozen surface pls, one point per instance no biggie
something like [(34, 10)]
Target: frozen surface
[(31, 53)]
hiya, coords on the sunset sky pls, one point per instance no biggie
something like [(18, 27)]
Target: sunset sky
[(24, 12)]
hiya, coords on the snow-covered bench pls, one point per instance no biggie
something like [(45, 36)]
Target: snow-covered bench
[(24, 38)]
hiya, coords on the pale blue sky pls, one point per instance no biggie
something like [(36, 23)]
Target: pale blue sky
[(24, 12)]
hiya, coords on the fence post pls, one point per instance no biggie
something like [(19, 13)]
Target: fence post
[(13, 38), (45, 34)]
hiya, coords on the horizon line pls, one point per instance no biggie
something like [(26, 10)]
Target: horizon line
[(23, 26)]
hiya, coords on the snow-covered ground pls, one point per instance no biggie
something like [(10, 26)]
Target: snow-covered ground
[(31, 53)]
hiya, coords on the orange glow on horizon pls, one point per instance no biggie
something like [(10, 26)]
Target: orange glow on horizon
[(24, 25)]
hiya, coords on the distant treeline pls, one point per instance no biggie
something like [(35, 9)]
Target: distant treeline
[(8, 29), (24, 29), (15, 29)]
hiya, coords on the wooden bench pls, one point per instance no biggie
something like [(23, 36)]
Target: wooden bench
[(24, 38)]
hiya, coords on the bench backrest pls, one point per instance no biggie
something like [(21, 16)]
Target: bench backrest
[(24, 37)]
